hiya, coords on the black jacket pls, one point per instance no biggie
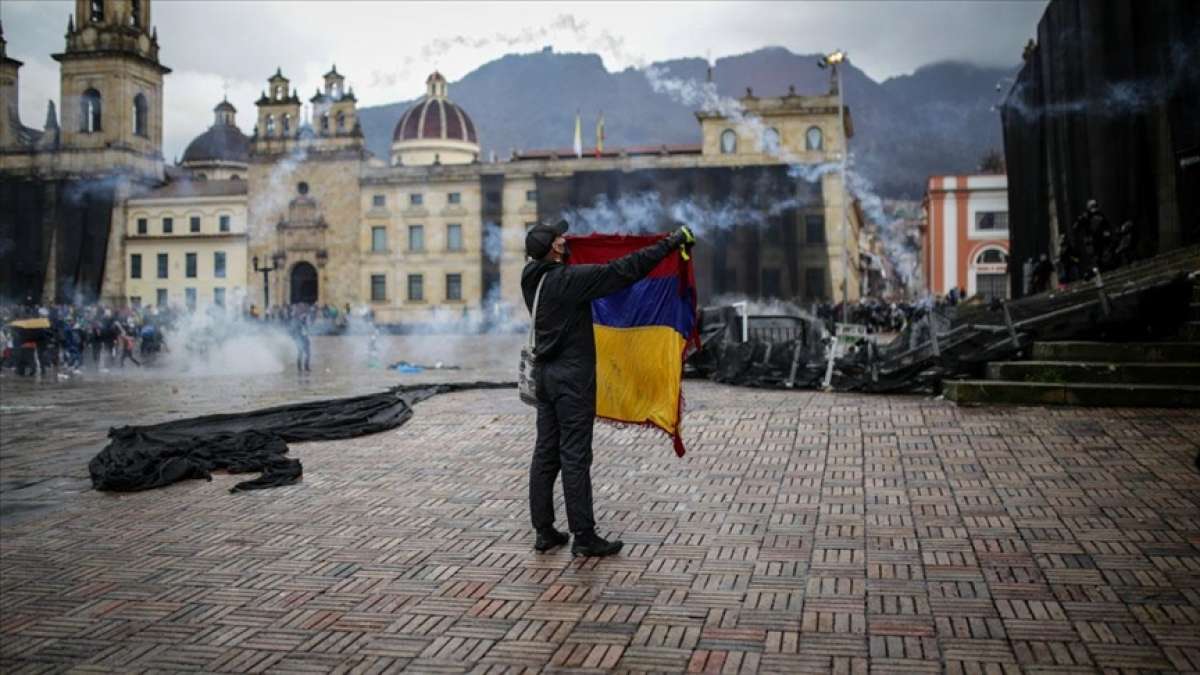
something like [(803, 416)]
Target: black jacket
[(564, 322)]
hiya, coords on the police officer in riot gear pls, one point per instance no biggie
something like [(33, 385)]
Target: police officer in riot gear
[(566, 386)]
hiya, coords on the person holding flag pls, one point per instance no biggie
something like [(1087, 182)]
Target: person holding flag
[(566, 375)]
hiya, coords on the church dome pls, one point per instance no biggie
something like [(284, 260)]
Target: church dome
[(435, 130), (223, 142)]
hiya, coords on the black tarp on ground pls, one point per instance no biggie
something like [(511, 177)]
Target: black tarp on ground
[(145, 457)]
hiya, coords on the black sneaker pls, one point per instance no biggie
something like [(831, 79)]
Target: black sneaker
[(549, 539), (590, 545)]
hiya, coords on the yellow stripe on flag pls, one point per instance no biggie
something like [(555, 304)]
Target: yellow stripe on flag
[(638, 375)]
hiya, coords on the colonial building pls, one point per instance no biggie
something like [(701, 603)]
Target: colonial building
[(431, 230), (185, 245), (966, 235)]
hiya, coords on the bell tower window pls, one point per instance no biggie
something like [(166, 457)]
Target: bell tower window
[(813, 139), (89, 118), (96, 11), (140, 112), (728, 142), (135, 13), (279, 92)]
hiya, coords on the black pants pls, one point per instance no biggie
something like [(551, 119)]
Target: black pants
[(26, 361), (565, 410)]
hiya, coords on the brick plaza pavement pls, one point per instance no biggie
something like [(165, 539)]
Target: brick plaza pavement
[(804, 532)]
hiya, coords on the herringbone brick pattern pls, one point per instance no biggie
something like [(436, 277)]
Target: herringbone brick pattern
[(804, 532)]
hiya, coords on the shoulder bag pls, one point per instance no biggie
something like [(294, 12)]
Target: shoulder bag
[(527, 373)]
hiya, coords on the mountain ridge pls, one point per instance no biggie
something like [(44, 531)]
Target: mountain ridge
[(937, 119)]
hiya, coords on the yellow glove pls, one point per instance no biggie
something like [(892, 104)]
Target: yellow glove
[(686, 240)]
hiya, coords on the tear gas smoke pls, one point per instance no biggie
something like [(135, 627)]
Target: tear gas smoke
[(645, 213), (1115, 99), (275, 195), (220, 342), (763, 306), (563, 24)]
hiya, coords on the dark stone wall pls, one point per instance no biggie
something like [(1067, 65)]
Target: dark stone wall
[(731, 259), (492, 194), (1105, 108), (73, 214)]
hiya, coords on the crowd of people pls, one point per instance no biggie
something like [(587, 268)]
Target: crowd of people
[(1090, 246), (67, 339), (879, 316)]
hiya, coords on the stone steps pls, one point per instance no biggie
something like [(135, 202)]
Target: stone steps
[(1095, 372), (1118, 352), (990, 392)]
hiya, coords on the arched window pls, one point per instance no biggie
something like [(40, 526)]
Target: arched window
[(814, 139), (991, 256), (287, 123), (135, 13), (988, 275), (89, 113), (141, 110), (279, 92), (97, 11), (728, 142), (341, 121), (235, 177), (324, 123), (270, 125), (770, 141)]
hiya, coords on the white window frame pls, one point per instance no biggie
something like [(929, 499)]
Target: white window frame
[(975, 268)]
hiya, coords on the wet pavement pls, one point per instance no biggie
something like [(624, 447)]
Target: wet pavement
[(50, 427), (803, 532)]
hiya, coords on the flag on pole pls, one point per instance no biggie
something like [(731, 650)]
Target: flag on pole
[(600, 136), (578, 136), (642, 334)]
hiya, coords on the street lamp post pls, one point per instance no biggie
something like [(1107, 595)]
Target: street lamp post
[(266, 272), (833, 61)]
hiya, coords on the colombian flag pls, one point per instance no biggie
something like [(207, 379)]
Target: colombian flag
[(641, 334)]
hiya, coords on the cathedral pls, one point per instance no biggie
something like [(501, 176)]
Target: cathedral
[(299, 211)]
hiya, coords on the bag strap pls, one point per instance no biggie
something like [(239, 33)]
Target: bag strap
[(533, 319)]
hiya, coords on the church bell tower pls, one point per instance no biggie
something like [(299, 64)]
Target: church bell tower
[(112, 90)]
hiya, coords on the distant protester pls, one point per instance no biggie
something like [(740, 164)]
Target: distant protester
[(566, 375)]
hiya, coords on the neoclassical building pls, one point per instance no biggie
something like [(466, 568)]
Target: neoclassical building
[(433, 230)]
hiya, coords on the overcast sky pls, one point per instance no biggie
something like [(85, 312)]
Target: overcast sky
[(386, 49)]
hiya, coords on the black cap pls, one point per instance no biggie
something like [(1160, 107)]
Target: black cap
[(540, 238)]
